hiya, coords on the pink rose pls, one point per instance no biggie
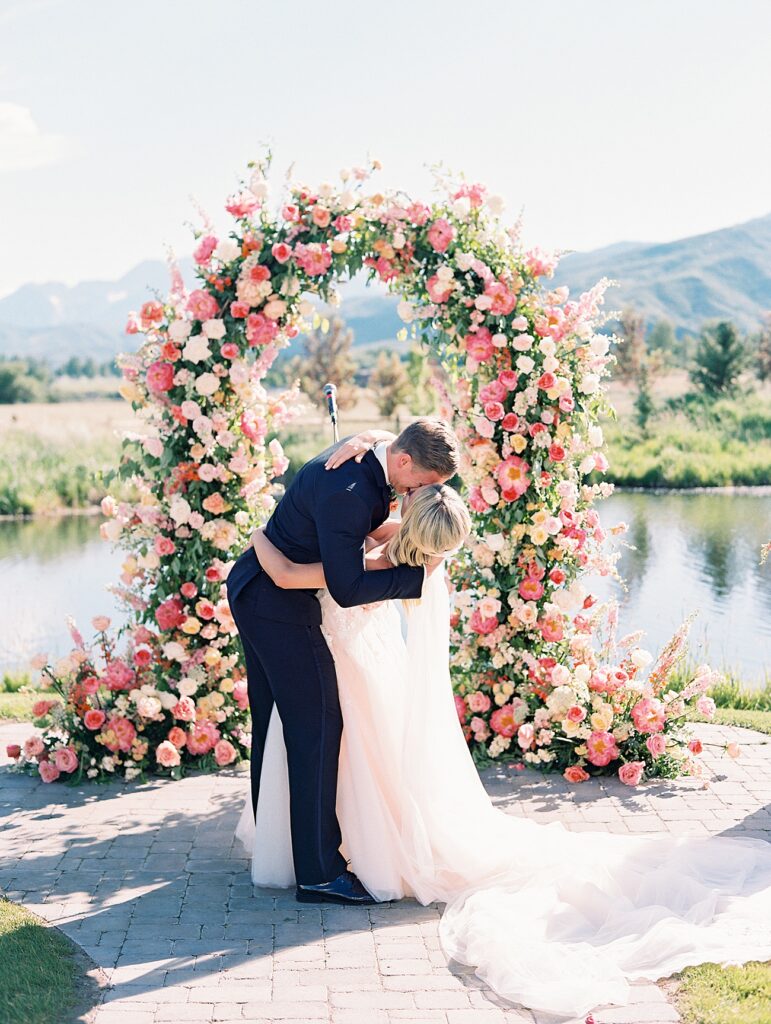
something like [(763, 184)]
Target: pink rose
[(321, 216), (164, 545), (575, 713), (188, 590), (556, 453), (461, 708), (33, 747), (438, 290), (224, 753), (440, 234), (575, 773), (94, 719), (503, 301), (631, 773), (167, 755), (48, 771), (239, 310), (177, 736), (510, 421), (169, 614), (202, 305), (240, 695), (229, 350), (494, 411), (41, 707), (480, 345), (242, 204), (160, 376), (66, 759), (656, 744), (260, 330)]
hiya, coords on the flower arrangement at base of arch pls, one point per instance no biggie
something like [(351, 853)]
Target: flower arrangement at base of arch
[(521, 377)]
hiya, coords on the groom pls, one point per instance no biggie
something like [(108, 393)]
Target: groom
[(324, 516)]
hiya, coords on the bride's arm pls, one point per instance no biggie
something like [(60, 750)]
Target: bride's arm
[(286, 574), (356, 447)]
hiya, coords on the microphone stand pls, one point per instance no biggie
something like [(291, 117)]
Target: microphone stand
[(330, 390)]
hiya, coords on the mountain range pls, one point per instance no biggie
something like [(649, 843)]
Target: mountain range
[(724, 273)]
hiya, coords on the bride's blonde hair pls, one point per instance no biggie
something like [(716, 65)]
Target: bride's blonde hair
[(436, 522)]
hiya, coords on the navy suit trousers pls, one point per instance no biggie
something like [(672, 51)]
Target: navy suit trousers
[(289, 664)]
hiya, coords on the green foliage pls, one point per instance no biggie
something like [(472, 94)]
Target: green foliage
[(760, 355), (422, 397), (390, 383), (23, 380), (695, 442), (13, 683), (711, 994), (644, 406), (630, 352), (17, 707), (721, 357)]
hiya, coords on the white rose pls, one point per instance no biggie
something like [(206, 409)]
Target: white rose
[(445, 273), (196, 349), (547, 346), (214, 329), (495, 541), (174, 651), (462, 207), (463, 260), (550, 364), (641, 657), (148, 707), (187, 686), (207, 383), (227, 250), (525, 364), (499, 340), (111, 530), (586, 465), (179, 330), (168, 700), (522, 342), (599, 345)]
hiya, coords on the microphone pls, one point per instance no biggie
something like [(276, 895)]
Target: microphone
[(330, 391)]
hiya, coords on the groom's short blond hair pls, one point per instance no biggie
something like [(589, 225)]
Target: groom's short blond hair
[(431, 444)]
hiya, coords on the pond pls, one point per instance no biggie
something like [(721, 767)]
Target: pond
[(692, 552)]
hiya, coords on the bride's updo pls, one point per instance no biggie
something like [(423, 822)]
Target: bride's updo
[(435, 523)]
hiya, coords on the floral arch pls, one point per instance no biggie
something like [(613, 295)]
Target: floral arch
[(522, 383)]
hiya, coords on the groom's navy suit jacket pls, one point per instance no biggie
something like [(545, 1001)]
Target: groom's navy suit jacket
[(324, 516)]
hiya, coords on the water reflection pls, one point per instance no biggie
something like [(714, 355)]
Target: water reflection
[(49, 569), (697, 552), (692, 552)]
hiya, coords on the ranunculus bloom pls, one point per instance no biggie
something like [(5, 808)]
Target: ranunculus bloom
[(224, 753), (66, 759), (94, 719), (48, 771), (160, 376), (631, 773), (575, 773)]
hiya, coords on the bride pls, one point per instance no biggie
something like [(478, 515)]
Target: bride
[(559, 922)]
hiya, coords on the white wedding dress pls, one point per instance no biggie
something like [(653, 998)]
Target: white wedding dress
[(557, 921)]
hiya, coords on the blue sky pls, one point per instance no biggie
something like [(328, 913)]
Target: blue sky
[(604, 120)]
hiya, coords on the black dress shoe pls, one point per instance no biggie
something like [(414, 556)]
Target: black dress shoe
[(345, 889)]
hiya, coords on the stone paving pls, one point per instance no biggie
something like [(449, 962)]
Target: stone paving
[(150, 881)]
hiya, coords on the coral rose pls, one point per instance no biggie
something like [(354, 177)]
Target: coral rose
[(66, 759), (48, 771), (94, 719), (224, 753), (177, 736), (575, 773), (167, 755)]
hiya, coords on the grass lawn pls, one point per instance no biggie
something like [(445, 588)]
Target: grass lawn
[(725, 995), (17, 707), (40, 970)]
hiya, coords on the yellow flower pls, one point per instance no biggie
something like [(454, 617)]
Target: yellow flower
[(130, 392), (227, 685), (212, 656), (518, 443), (338, 245), (539, 535), (601, 720), (191, 625)]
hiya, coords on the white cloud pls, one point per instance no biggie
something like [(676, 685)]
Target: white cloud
[(22, 143)]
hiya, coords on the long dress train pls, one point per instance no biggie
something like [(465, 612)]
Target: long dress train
[(557, 921)]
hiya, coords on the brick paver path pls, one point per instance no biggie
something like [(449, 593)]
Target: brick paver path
[(149, 880)]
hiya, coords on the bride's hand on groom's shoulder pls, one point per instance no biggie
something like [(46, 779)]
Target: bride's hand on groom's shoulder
[(357, 447)]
